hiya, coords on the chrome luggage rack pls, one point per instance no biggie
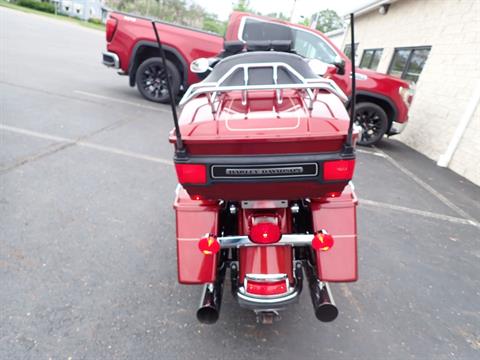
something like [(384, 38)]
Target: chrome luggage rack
[(311, 85)]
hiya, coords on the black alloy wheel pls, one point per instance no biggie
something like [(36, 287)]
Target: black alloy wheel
[(373, 121), (152, 83)]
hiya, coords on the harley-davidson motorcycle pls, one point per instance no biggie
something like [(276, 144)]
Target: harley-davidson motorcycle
[(264, 155)]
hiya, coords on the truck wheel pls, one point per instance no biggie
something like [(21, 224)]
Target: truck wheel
[(373, 120), (151, 80)]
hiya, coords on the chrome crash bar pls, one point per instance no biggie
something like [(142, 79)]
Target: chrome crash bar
[(227, 242)]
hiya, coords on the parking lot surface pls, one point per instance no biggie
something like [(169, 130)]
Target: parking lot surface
[(87, 247)]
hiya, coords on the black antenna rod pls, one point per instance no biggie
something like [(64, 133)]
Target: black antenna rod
[(352, 105), (180, 151)]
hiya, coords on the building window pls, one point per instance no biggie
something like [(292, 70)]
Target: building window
[(371, 58), (347, 50), (407, 63)]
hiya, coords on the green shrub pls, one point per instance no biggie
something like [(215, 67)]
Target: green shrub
[(95, 21), (37, 5)]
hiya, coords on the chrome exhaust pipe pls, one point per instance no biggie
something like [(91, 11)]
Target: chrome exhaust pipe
[(322, 300), (210, 303), (325, 308)]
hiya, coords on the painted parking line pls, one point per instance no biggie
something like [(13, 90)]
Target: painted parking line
[(427, 214), (427, 187), (370, 152), (120, 101), (107, 149)]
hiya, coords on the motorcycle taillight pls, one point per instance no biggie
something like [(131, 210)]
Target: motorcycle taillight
[(338, 169), (191, 173), (265, 230)]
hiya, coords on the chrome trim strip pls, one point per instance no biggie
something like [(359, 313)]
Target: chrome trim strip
[(264, 204), (267, 299), (265, 278), (230, 120), (264, 167)]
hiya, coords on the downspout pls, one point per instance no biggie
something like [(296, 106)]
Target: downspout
[(446, 157)]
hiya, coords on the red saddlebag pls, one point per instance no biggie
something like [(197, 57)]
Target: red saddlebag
[(337, 215), (195, 218)]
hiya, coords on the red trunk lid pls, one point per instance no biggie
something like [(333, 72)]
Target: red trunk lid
[(263, 126)]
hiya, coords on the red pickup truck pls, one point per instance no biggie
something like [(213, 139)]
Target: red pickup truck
[(382, 100)]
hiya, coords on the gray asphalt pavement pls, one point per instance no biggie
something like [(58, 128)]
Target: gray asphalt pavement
[(87, 248)]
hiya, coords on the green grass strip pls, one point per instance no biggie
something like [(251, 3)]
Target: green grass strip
[(61, 17)]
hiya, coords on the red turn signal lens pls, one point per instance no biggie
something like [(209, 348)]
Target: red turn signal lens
[(191, 173), (209, 245), (266, 288), (322, 241), (338, 169), (265, 233)]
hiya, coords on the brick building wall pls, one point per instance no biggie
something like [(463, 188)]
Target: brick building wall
[(449, 78), (466, 160)]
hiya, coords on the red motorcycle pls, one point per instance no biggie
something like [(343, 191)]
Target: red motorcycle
[(264, 154)]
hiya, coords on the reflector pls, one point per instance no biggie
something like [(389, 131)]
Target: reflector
[(338, 169), (333, 194), (266, 288), (209, 245), (322, 241)]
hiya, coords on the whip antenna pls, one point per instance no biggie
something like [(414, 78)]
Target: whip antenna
[(348, 144), (180, 149)]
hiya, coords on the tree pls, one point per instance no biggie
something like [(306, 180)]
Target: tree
[(327, 20), (278, 15), (305, 21), (181, 12), (244, 6), (211, 23)]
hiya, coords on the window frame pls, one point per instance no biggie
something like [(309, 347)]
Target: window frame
[(349, 47), (374, 51), (409, 58)]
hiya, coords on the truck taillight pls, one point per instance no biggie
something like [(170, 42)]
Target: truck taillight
[(191, 173), (407, 93), (338, 169), (110, 28)]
